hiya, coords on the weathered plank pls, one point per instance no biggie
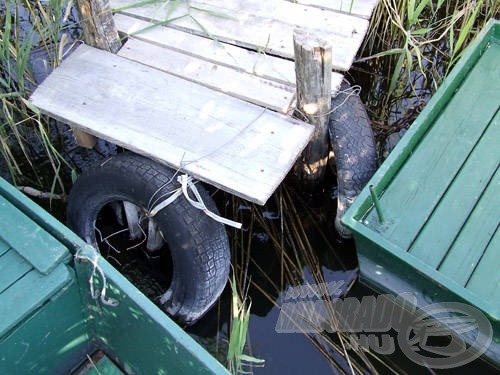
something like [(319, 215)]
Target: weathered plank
[(98, 31), (260, 91), (29, 240), (361, 8), (457, 204), (257, 63), (259, 25), (475, 236), (237, 146)]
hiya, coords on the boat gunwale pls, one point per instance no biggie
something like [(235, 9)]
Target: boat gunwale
[(399, 156)]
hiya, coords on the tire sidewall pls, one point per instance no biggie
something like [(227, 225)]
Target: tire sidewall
[(187, 238)]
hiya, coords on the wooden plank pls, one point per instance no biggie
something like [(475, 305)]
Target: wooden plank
[(485, 280), (457, 204), (29, 240), (289, 13), (96, 20), (28, 294), (259, 25), (414, 192), (260, 64), (248, 87), (475, 236), (236, 146), (12, 268), (361, 8), (257, 63)]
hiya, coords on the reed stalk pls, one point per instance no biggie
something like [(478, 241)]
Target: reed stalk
[(24, 26), (290, 226), (237, 361), (411, 46)]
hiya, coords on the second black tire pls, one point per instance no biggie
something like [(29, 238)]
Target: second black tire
[(353, 145)]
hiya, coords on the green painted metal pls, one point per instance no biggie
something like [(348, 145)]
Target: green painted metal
[(29, 293), (471, 243), (41, 217), (439, 191), (459, 201), (50, 321), (129, 332), (30, 271), (419, 186), (486, 278), (376, 203)]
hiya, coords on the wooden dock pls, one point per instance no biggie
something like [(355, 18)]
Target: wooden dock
[(205, 86)]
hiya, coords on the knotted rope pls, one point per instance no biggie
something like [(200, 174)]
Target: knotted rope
[(96, 269), (186, 185)]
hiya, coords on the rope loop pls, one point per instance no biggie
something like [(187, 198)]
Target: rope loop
[(188, 184), (96, 269)]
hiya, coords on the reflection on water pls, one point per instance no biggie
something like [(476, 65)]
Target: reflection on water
[(275, 276)]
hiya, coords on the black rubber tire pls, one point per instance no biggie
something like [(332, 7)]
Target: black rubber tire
[(353, 145), (198, 245)]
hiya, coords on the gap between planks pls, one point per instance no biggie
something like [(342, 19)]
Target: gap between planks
[(259, 25), (260, 91), (259, 64), (253, 77)]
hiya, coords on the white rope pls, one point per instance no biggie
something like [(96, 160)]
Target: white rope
[(95, 267), (160, 206), (187, 182)]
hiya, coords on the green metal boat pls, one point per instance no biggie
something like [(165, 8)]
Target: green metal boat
[(64, 309), (428, 221)]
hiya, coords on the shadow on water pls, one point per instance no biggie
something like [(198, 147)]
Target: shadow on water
[(271, 261)]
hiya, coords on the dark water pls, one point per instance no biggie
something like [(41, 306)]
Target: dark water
[(295, 353), (290, 353)]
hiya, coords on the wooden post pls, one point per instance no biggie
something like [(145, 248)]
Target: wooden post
[(313, 71), (98, 25), (98, 31)]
